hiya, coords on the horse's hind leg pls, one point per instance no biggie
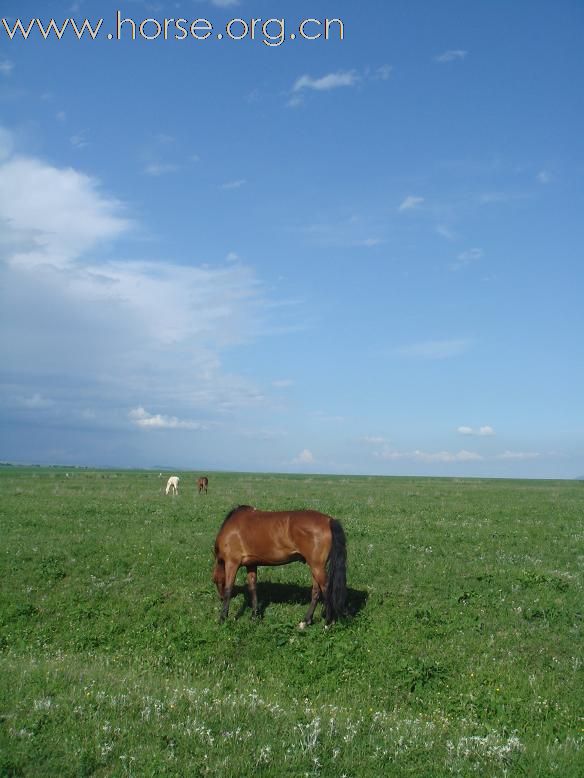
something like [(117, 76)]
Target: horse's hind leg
[(313, 602), (318, 587), (252, 577)]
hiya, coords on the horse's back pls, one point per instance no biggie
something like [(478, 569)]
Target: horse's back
[(252, 520), (274, 537)]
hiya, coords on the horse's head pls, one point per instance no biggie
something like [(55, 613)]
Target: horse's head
[(219, 577)]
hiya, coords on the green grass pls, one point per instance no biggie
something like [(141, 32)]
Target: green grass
[(463, 656)]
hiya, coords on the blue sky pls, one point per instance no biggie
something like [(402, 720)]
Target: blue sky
[(356, 256)]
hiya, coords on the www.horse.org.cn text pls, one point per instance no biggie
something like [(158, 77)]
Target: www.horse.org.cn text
[(272, 32)]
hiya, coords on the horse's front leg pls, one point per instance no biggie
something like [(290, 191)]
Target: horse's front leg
[(230, 573), (252, 577)]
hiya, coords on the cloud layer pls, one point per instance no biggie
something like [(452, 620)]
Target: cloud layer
[(481, 431), (91, 338), (327, 82)]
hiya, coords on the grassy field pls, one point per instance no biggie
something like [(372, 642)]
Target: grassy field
[(463, 655)]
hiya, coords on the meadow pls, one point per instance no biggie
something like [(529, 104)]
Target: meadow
[(462, 654)]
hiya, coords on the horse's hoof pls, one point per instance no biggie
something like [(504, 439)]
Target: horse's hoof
[(302, 625)]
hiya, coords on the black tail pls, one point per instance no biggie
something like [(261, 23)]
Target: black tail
[(336, 599)]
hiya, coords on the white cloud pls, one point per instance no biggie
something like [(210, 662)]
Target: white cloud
[(484, 431), (263, 434), (519, 455), (159, 155), (237, 184), (224, 3), (325, 83), (451, 55), (466, 258), (148, 421), (295, 101), (305, 457), (445, 232), (543, 177), (429, 457), (79, 140), (160, 168), (374, 440), (435, 349), (54, 216), (282, 383), (6, 67), (410, 203), (330, 81), (384, 72)]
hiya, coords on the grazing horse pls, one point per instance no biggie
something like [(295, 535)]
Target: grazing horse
[(172, 484), (203, 483), (250, 538)]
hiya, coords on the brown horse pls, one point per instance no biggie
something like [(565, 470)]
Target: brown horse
[(203, 483), (250, 538)]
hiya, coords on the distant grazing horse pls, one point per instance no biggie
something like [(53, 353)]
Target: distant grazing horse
[(203, 483), (250, 538), (172, 484)]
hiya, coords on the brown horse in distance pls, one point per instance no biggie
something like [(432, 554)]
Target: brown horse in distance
[(249, 538), (202, 484)]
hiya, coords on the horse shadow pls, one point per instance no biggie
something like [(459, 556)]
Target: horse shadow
[(292, 594)]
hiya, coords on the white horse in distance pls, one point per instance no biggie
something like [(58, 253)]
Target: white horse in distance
[(172, 484)]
